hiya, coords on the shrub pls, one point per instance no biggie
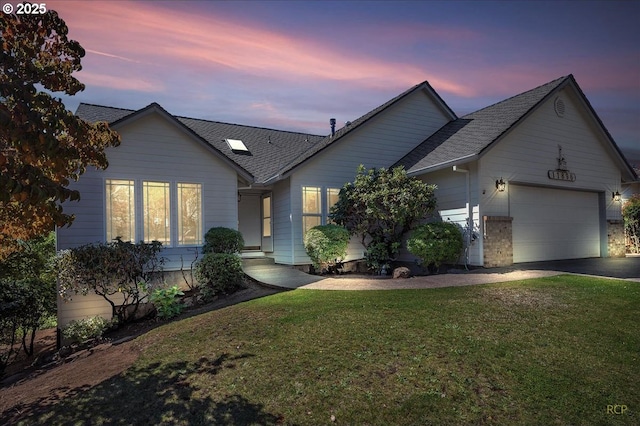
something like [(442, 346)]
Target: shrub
[(85, 329), (631, 215), (223, 240), (166, 303), (436, 243), (121, 272), (220, 272), (326, 245)]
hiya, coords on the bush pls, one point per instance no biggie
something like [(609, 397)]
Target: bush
[(436, 243), (223, 240), (164, 299), (220, 272), (121, 272), (326, 245), (85, 329)]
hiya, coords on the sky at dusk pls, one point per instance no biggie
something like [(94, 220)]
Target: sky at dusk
[(293, 65)]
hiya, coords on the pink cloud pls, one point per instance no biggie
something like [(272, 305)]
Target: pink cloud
[(119, 82), (145, 32)]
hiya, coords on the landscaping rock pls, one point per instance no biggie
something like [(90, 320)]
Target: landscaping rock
[(401, 272)]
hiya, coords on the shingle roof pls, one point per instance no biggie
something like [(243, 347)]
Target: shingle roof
[(269, 149), (468, 136), (329, 140)]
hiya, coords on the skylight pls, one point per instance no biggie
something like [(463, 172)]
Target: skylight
[(237, 145)]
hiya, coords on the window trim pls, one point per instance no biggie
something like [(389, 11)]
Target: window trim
[(177, 213), (138, 209)]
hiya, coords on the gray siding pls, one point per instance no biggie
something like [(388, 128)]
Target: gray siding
[(380, 143), (152, 148), (282, 222)]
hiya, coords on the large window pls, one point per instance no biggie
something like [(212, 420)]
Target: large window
[(163, 205), (311, 208), (156, 212), (189, 214), (120, 209)]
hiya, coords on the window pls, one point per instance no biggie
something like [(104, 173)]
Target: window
[(332, 199), (156, 210), (189, 214), (120, 209), (266, 216), (311, 208), (163, 204)]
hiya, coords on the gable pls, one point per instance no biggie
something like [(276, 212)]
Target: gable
[(422, 107), (384, 139), (471, 136), (532, 148)]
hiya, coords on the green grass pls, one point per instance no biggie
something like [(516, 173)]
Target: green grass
[(553, 351)]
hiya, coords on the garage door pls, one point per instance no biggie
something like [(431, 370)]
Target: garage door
[(551, 224)]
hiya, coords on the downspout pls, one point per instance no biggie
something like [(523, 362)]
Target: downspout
[(469, 213)]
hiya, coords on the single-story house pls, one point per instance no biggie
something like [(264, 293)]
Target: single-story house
[(531, 178)]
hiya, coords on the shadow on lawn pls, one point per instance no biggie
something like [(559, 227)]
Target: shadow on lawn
[(156, 394)]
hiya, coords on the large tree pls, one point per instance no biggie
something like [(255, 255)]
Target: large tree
[(380, 206), (43, 146)]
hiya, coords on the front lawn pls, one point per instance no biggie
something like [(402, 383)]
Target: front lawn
[(557, 350)]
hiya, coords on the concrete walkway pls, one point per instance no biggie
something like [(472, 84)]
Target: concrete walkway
[(277, 276), (286, 277)]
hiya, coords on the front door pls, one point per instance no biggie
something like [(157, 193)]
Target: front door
[(267, 226)]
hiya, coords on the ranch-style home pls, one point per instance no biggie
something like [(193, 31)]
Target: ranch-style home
[(534, 177)]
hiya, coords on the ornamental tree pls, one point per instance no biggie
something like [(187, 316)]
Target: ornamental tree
[(631, 215), (43, 146), (380, 206)]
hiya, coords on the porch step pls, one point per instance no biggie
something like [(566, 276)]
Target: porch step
[(248, 262)]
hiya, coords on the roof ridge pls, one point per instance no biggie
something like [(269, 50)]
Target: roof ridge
[(552, 83), (247, 125), (107, 106)]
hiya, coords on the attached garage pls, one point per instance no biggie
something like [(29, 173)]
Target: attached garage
[(551, 224)]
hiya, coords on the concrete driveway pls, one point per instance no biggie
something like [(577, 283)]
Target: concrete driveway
[(625, 267)]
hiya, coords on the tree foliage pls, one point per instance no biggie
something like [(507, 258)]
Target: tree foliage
[(27, 295), (381, 205), (631, 215), (43, 146)]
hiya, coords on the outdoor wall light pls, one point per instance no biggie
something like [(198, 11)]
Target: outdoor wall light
[(239, 196), (615, 196), (501, 185)]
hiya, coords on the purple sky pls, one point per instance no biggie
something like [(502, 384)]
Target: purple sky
[(293, 65)]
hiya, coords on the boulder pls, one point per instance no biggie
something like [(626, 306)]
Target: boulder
[(401, 272)]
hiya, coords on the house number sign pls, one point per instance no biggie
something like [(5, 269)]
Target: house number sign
[(561, 173)]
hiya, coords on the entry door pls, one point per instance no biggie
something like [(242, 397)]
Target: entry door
[(267, 226)]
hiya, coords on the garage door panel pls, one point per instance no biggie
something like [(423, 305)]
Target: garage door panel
[(550, 224)]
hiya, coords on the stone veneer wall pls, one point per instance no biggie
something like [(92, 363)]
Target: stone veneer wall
[(616, 239), (498, 241)]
